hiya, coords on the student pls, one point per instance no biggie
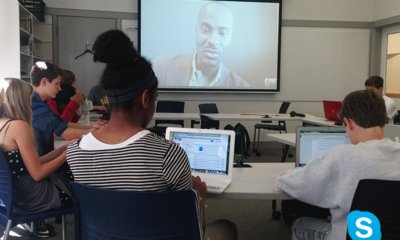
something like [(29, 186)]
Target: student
[(37, 187), (66, 103), (144, 161), (46, 79), (98, 98), (330, 180), (376, 83)]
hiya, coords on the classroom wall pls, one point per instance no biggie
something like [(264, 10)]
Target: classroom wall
[(336, 10), (9, 40), (382, 9)]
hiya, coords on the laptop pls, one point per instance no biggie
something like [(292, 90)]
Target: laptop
[(314, 141), (331, 109), (210, 154), (392, 132)]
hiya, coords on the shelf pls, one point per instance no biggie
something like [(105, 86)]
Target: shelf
[(37, 58), (36, 39), (24, 33), (26, 55)]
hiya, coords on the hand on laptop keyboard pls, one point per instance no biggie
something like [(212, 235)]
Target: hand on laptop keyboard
[(200, 186)]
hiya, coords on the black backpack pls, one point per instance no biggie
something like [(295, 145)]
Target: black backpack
[(239, 128)]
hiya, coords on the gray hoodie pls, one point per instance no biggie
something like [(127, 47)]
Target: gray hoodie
[(330, 180)]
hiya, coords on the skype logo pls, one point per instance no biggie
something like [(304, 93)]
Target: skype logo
[(363, 225)]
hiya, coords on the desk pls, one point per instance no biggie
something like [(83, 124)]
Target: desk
[(176, 116), (256, 183), (289, 139), (273, 117)]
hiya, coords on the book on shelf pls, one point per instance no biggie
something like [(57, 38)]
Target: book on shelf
[(25, 23)]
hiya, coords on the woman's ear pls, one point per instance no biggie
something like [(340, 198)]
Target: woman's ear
[(145, 98)]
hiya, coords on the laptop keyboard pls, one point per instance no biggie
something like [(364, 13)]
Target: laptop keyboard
[(215, 183)]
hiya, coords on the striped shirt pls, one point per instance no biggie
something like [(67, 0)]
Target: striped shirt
[(150, 163)]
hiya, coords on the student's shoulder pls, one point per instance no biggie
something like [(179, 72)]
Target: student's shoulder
[(160, 141), (19, 127)]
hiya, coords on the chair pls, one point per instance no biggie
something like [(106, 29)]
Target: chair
[(396, 119), (10, 219), (381, 198), (280, 127), (167, 107), (113, 214), (206, 122)]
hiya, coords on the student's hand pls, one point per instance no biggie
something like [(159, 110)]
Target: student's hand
[(65, 145), (99, 124), (78, 97), (200, 186), (101, 108)]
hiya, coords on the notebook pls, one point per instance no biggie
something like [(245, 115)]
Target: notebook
[(314, 141), (210, 154), (331, 109)]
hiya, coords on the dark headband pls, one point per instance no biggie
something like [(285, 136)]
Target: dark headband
[(133, 91)]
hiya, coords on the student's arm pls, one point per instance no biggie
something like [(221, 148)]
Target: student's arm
[(98, 124), (69, 111), (316, 183), (23, 136), (75, 133), (53, 105), (55, 153)]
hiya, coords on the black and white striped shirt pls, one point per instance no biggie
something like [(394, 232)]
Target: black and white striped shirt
[(150, 163)]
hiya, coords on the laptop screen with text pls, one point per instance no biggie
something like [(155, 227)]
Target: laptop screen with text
[(207, 153), (313, 142)]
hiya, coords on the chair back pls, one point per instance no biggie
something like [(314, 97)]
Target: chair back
[(381, 198), (170, 107), (6, 190), (396, 119), (282, 110), (113, 214), (207, 123), (208, 108)]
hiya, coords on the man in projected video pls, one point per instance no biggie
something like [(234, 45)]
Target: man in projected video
[(203, 67)]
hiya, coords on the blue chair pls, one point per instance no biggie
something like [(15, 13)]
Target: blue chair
[(167, 107), (113, 214), (380, 197), (7, 217)]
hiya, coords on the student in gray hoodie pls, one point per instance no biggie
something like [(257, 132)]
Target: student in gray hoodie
[(330, 180)]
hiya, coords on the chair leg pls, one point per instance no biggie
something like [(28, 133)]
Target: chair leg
[(258, 143), (254, 140), (8, 228), (64, 227)]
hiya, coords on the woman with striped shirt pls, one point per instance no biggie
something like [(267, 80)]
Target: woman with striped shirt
[(123, 155)]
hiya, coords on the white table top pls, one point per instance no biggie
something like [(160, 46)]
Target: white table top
[(288, 138), (176, 116), (257, 182)]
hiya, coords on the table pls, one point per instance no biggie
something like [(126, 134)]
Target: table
[(311, 119), (257, 183), (289, 139)]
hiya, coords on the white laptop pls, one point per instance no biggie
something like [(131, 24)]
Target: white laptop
[(392, 132), (314, 141), (210, 154)]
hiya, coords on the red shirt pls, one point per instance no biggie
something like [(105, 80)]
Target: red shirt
[(68, 114)]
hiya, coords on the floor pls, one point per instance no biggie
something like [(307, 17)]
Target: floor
[(252, 217)]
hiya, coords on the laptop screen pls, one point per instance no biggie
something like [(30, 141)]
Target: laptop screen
[(207, 153), (316, 142)]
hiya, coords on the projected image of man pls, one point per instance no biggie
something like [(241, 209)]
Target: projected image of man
[(204, 66)]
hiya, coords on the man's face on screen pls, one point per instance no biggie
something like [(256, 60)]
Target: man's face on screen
[(213, 34)]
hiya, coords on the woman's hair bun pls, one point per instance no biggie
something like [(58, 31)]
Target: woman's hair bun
[(114, 48)]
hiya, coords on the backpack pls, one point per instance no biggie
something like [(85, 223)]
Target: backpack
[(239, 128)]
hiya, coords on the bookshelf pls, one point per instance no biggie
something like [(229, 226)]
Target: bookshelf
[(36, 41)]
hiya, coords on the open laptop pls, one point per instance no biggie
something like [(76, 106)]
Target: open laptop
[(331, 109), (314, 141), (210, 154), (392, 132)]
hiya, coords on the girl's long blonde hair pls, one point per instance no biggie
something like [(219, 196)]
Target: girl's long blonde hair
[(15, 100)]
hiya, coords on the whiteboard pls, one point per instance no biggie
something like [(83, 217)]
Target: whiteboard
[(316, 64)]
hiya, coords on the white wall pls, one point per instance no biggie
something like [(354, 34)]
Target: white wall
[(9, 40), (385, 8), (96, 5), (334, 10)]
